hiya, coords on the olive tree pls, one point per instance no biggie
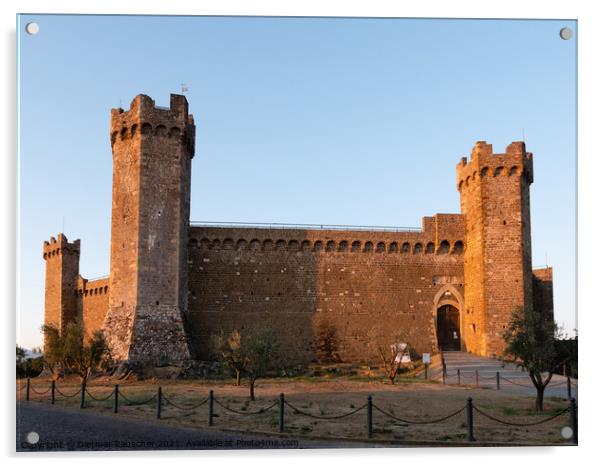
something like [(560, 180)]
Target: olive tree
[(260, 349), (71, 351), (230, 351), (530, 343)]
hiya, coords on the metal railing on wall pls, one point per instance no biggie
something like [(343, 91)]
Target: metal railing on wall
[(303, 226)]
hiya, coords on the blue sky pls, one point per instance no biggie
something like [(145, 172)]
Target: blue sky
[(330, 121)]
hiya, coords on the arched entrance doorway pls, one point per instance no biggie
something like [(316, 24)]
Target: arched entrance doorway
[(448, 328)]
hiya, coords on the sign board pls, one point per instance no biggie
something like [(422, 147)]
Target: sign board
[(406, 359), (426, 358)]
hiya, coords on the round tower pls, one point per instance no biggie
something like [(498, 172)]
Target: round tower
[(152, 151), (494, 194)]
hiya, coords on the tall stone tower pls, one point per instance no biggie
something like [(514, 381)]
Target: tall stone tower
[(152, 151), (494, 193), (62, 270)]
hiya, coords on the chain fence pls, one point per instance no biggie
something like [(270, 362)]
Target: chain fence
[(427, 421), (161, 399), (475, 377), (244, 413), (321, 417)]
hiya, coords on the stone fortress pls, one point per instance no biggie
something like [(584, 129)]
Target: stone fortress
[(452, 284)]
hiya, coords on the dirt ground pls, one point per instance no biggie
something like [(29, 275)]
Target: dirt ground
[(408, 400)]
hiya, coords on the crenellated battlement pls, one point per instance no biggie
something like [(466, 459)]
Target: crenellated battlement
[(60, 245), (145, 119), (516, 161)]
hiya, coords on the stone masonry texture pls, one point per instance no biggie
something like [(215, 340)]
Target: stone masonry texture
[(172, 286)]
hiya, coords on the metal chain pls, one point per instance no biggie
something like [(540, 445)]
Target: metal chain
[(262, 410), (136, 403), (559, 384), (431, 421), (110, 395), (22, 387), (39, 393), (184, 408), (340, 416), (67, 396), (517, 384), (515, 424)]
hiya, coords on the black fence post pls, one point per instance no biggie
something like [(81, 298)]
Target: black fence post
[(458, 376), (52, 389), (369, 416), (574, 420), (568, 387), (82, 400), (116, 399), (469, 421), (159, 402), (476, 374), (426, 371), (210, 422), (497, 379), (281, 426), (27, 389), (444, 374)]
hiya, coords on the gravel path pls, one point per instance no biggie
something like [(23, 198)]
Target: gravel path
[(61, 429)]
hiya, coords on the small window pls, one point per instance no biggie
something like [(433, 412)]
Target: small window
[(405, 248), (443, 247), (318, 246), (417, 248), (458, 248), (498, 171), (331, 246), (430, 248), (356, 246), (368, 246), (393, 247), (343, 246)]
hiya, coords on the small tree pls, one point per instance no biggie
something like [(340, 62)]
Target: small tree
[(54, 354), (260, 347), (390, 354), (230, 351), (327, 343), (530, 344), (70, 350)]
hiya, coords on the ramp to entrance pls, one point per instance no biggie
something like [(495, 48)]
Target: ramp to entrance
[(512, 377)]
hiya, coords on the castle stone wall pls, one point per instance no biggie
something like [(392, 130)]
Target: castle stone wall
[(93, 303), (369, 286), (543, 293)]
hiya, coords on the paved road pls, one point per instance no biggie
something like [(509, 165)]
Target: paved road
[(512, 378), (62, 429)]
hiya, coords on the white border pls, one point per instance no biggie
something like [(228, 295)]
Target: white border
[(590, 103)]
